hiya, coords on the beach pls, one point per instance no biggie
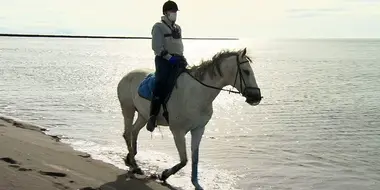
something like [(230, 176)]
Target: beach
[(32, 160)]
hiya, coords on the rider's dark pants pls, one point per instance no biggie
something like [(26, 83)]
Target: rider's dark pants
[(165, 72), (164, 80)]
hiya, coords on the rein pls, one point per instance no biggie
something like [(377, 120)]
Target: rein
[(237, 72)]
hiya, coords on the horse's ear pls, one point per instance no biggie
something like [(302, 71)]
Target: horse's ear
[(242, 54)]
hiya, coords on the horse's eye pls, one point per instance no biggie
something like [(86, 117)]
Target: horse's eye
[(246, 72)]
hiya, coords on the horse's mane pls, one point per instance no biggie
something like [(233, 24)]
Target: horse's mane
[(212, 66)]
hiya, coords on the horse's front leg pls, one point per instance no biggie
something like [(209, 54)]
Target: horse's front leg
[(180, 142), (196, 136)]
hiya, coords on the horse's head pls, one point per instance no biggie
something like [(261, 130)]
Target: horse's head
[(242, 77)]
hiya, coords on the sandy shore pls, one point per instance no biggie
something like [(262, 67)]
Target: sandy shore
[(31, 160)]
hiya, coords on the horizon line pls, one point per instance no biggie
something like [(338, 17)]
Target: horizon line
[(104, 37)]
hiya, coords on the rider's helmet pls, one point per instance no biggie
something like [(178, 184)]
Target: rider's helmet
[(169, 6)]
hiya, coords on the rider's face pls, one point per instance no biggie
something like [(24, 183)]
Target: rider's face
[(172, 15)]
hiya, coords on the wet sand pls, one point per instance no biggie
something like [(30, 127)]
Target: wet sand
[(30, 159)]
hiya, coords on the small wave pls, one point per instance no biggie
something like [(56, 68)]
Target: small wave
[(153, 162)]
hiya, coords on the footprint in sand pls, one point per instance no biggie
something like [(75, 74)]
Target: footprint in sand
[(60, 186), (9, 160), (24, 169), (14, 164), (88, 188), (84, 155), (53, 174), (55, 137)]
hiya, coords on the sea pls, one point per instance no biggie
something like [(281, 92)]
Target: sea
[(317, 128)]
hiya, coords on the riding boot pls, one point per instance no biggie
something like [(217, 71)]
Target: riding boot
[(154, 110)]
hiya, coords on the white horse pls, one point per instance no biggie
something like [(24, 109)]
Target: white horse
[(190, 104)]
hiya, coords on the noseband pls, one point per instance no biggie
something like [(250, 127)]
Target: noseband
[(242, 80)]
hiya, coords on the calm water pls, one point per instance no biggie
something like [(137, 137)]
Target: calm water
[(318, 126)]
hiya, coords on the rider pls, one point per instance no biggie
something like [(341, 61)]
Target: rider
[(168, 49)]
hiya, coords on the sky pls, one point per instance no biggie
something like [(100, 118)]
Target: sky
[(197, 18)]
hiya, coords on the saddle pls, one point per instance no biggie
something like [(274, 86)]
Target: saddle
[(145, 89)]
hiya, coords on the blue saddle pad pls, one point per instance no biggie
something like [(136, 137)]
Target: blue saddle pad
[(145, 89)]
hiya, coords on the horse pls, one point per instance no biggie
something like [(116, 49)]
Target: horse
[(190, 104)]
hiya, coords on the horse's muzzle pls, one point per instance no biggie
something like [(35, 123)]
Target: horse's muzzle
[(252, 95)]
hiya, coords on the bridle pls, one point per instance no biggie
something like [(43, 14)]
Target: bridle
[(242, 80)]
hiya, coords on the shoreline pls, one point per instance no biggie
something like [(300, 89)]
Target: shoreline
[(98, 37), (33, 160)]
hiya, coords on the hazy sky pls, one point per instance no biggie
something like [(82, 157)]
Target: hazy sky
[(198, 18)]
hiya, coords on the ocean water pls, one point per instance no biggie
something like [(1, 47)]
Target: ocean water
[(318, 126)]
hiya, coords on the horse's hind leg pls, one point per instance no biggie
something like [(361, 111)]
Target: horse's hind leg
[(128, 114), (139, 124), (130, 136)]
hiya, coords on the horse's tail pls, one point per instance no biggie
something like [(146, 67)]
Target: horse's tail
[(125, 95), (126, 91)]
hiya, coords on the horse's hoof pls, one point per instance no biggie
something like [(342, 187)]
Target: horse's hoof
[(197, 186), (164, 176), (154, 176), (137, 171)]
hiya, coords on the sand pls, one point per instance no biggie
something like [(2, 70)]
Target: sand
[(32, 160)]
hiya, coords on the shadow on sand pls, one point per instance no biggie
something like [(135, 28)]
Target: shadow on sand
[(126, 182)]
